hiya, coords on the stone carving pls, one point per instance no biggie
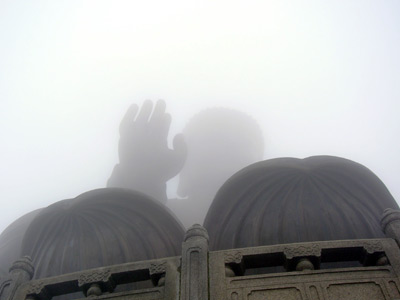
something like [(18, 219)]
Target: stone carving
[(235, 257), (20, 272), (23, 264), (3, 285), (304, 264), (372, 247), (94, 276), (234, 296), (359, 290), (94, 290), (292, 293), (203, 275), (194, 274), (302, 250), (390, 223), (4, 281), (389, 215), (35, 287), (157, 268)]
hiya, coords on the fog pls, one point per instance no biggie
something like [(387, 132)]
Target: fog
[(320, 78)]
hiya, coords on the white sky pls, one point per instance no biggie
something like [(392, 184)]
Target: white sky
[(321, 77)]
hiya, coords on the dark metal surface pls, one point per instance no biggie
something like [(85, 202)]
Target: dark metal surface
[(288, 200), (99, 228)]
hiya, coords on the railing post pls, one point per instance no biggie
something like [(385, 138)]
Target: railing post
[(194, 266), (390, 223), (21, 271)]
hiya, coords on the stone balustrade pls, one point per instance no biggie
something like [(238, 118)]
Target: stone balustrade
[(346, 269)]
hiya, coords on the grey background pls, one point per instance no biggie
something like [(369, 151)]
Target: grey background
[(320, 78)]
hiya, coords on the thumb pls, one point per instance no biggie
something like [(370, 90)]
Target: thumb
[(180, 149)]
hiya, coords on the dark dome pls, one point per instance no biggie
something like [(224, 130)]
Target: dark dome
[(99, 228), (287, 200), (11, 241)]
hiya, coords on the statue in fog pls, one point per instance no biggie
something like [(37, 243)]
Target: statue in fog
[(216, 143), (145, 161)]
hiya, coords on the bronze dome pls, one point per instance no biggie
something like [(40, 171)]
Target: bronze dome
[(287, 200), (11, 241), (99, 228)]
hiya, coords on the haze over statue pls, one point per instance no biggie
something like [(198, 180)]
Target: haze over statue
[(277, 228), (216, 143)]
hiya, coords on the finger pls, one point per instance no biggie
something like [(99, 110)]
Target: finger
[(165, 124), (159, 119), (145, 112), (178, 156), (158, 113), (128, 119)]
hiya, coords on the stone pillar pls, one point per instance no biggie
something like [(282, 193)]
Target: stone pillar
[(21, 271), (194, 266), (390, 223)]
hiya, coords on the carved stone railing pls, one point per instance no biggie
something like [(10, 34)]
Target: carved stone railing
[(153, 279), (334, 270), (20, 272), (353, 269)]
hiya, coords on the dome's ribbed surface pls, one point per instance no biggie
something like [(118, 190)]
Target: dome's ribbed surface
[(11, 241), (100, 228), (288, 200)]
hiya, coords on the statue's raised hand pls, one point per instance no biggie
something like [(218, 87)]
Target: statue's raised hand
[(146, 162)]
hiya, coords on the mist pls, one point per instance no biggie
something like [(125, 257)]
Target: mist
[(319, 78)]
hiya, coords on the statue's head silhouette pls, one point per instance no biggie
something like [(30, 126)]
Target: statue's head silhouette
[(220, 141)]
